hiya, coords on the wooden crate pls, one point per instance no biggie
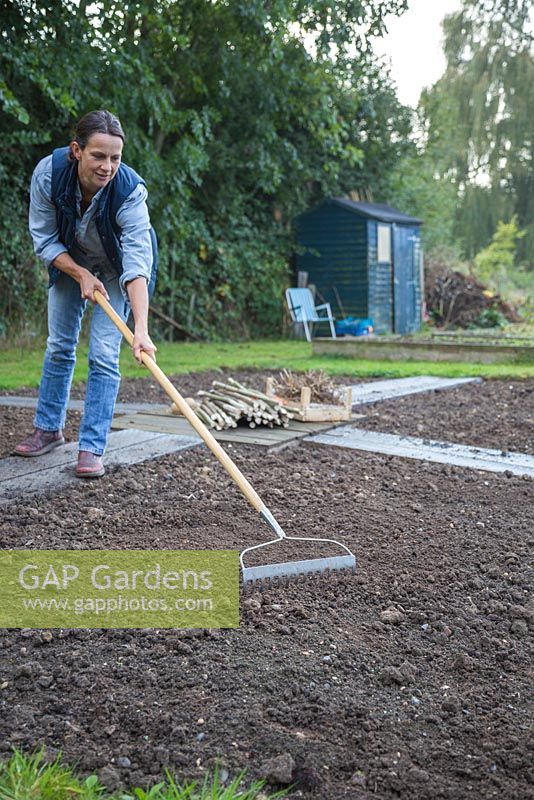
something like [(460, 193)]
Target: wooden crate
[(314, 412)]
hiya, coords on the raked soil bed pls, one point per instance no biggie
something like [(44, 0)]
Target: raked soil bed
[(432, 699)]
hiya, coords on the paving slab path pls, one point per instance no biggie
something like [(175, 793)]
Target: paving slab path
[(375, 391), (20, 401), (55, 470), (427, 450)]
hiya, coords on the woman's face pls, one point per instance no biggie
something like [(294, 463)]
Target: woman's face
[(97, 162)]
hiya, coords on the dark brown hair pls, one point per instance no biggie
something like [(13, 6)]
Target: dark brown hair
[(96, 122)]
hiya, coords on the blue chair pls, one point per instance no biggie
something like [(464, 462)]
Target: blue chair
[(304, 311)]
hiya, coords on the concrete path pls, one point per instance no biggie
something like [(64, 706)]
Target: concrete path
[(77, 405), (372, 392), (427, 450), (376, 391), (55, 470)]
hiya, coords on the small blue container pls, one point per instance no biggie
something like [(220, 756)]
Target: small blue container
[(351, 326)]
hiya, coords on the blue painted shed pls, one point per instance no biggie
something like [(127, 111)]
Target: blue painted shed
[(367, 254)]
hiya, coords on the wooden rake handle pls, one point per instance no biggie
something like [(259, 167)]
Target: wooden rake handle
[(236, 474)]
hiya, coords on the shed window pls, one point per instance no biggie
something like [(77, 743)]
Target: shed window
[(384, 244)]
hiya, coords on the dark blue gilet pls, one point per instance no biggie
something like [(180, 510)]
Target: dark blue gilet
[(64, 180)]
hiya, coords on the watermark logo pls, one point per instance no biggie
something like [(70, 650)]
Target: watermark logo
[(119, 589)]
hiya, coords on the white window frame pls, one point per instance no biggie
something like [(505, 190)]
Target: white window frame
[(383, 249)]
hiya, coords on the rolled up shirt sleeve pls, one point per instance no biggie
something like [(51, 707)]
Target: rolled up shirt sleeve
[(134, 220), (42, 219)]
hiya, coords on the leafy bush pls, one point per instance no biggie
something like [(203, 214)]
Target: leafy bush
[(494, 264), (232, 122), (490, 318)]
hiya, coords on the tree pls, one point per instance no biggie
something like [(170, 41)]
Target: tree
[(494, 264), (238, 114), (479, 119)]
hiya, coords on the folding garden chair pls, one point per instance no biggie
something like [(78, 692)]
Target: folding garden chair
[(303, 310)]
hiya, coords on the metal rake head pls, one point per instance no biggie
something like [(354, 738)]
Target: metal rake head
[(269, 574), (264, 574)]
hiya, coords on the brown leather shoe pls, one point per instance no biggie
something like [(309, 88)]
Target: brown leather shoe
[(89, 465), (38, 443)]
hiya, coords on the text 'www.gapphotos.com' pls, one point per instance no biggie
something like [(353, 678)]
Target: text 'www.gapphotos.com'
[(113, 605)]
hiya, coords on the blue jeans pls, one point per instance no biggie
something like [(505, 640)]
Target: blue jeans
[(65, 312)]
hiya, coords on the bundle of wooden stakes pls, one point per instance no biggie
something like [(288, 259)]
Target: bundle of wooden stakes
[(228, 403)]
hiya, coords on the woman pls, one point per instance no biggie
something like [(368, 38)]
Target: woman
[(90, 226)]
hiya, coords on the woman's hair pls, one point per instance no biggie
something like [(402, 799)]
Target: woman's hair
[(96, 122)]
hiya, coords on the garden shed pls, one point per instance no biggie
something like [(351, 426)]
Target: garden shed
[(365, 259)]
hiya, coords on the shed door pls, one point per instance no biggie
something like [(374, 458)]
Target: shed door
[(405, 279)]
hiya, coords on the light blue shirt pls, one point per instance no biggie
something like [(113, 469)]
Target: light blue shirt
[(87, 251)]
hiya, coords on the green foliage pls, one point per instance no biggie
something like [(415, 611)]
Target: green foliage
[(490, 318), (471, 160), (520, 292), (415, 189), (494, 264), (479, 117), (22, 280), (30, 777), (238, 115), (210, 789)]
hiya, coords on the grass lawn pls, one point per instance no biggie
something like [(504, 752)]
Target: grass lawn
[(25, 777), (21, 366)]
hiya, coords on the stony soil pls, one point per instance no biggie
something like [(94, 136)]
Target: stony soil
[(410, 679), (496, 414)]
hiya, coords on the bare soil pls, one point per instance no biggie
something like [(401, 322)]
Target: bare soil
[(495, 414), (431, 700)]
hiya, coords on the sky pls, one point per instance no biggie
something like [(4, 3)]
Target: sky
[(413, 46)]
